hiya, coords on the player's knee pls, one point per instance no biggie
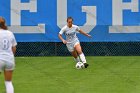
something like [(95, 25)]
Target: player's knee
[(79, 52)]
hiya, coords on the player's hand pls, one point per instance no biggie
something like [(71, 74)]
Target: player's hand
[(64, 42), (89, 36)]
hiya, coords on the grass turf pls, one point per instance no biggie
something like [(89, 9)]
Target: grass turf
[(58, 75)]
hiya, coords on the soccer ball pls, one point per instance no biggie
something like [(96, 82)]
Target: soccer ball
[(79, 65)]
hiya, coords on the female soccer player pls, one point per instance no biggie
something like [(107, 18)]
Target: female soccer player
[(7, 51), (72, 41)]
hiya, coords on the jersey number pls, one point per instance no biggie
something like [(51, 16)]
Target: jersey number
[(5, 44)]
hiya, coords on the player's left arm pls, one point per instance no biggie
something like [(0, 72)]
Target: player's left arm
[(82, 32), (14, 49), (14, 44)]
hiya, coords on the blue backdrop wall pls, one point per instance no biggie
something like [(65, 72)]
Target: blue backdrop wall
[(41, 20)]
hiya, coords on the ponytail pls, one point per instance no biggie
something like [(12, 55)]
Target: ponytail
[(3, 25)]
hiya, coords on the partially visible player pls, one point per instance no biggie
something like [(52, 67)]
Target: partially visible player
[(72, 41), (7, 51)]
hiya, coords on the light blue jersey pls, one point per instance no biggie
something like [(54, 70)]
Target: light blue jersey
[(70, 33), (7, 41)]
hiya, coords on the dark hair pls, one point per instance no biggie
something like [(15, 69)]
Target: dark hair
[(69, 18), (3, 24)]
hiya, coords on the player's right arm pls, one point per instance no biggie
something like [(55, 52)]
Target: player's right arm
[(61, 38), (60, 35)]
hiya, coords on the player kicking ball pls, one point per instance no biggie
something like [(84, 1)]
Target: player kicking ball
[(72, 41)]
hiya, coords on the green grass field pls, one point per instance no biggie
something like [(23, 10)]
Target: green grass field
[(58, 75)]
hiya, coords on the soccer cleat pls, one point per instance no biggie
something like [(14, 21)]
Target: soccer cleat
[(86, 65)]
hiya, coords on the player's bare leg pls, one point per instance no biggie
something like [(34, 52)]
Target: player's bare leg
[(81, 54), (8, 81), (75, 55)]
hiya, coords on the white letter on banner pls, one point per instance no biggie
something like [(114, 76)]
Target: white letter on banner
[(90, 15), (16, 7), (117, 14)]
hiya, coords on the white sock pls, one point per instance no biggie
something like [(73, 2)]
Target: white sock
[(82, 57), (9, 87), (77, 59)]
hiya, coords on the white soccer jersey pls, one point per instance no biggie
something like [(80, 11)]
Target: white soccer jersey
[(70, 33), (7, 41)]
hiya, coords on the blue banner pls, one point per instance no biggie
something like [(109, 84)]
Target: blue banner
[(41, 20)]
